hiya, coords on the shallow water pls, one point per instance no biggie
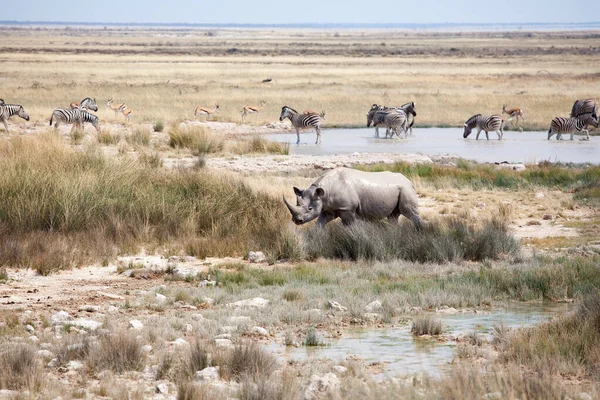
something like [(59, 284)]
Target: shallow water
[(527, 147), (405, 355)]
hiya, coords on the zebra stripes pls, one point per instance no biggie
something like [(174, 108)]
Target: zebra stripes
[(486, 124), (8, 110), (75, 116), (87, 103), (409, 109), (560, 125), (588, 106), (391, 118), (302, 121)]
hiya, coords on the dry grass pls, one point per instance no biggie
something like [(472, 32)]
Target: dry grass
[(195, 137), (341, 74), (140, 136), (426, 325), (20, 368), (107, 138), (117, 352)]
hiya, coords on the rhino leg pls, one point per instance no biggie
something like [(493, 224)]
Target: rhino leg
[(324, 219), (348, 217), (393, 217), (408, 206)]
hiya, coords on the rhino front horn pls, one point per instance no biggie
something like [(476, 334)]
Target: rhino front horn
[(293, 209)]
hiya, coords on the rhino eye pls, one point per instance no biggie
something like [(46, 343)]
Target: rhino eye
[(310, 208)]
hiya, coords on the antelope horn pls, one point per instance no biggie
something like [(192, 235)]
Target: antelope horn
[(293, 209)]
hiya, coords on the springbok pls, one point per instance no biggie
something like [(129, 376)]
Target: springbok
[(206, 111), (116, 108), (253, 110), (127, 113), (513, 112)]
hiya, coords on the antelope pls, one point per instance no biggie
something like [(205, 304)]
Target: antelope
[(127, 113), (253, 110), (116, 108), (321, 114), (206, 111), (513, 112)]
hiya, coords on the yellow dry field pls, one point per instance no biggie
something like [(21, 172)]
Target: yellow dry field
[(163, 74)]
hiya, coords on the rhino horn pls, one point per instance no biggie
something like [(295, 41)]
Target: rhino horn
[(293, 209)]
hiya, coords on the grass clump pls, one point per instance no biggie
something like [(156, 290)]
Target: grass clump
[(118, 352), (259, 144), (77, 136), (107, 138), (196, 359), (249, 361), (140, 136), (195, 137), (158, 126), (21, 369), (426, 325), (446, 240), (312, 338)]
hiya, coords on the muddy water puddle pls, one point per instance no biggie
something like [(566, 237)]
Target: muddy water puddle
[(401, 354), (526, 147)]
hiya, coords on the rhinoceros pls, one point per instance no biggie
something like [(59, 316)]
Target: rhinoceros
[(349, 194)]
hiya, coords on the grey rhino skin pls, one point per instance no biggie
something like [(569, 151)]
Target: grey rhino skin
[(349, 194)]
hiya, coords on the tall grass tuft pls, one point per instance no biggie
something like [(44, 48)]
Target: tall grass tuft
[(446, 240), (107, 138), (117, 352), (258, 144), (140, 136), (195, 137), (158, 126), (21, 369), (77, 136), (249, 361), (426, 325)]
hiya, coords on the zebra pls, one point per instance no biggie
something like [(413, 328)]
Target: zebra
[(393, 120), (8, 110), (409, 109), (588, 106), (76, 116), (560, 125), (302, 121), (487, 124), (87, 103), (2, 102), (371, 116)]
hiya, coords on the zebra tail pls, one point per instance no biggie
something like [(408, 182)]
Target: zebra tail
[(52, 116)]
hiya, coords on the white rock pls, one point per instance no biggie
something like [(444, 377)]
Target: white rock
[(223, 336), (74, 365), (223, 343), (340, 369), (256, 257), (181, 342), (334, 305), (136, 324), (90, 308), (257, 302), (112, 309), (492, 396), (45, 346), (372, 317), (29, 328), (373, 306), (60, 318), (260, 331), (160, 298), (540, 195), (33, 339), (162, 388), (197, 317), (321, 386), (481, 205), (446, 310), (53, 363), (188, 328), (228, 329), (208, 300), (208, 374), (239, 320), (146, 348), (111, 296), (87, 324), (45, 354), (584, 396)]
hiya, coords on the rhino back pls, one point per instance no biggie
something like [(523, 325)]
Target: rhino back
[(370, 194)]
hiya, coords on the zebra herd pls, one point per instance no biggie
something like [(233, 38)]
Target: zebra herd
[(396, 120)]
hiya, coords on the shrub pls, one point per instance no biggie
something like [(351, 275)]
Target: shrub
[(118, 352), (196, 359), (139, 136), (21, 368), (195, 137), (77, 136), (158, 126), (259, 144), (106, 137), (426, 326), (312, 338), (249, 360)]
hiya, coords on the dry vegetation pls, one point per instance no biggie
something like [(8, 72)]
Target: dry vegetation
[(449, 76)]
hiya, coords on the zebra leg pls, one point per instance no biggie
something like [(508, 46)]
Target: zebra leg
[(478, 132), (487, 136), (500, 134), (298, 135), (5, 125), (318, 135), (587, 134)]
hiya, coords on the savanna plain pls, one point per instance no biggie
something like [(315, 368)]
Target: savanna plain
[(154, 258)]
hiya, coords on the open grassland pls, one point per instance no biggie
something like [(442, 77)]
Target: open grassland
[(164, 74)]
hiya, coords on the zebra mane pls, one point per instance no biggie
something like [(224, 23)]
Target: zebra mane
[(472, 119), (289, 108), (411, 104)]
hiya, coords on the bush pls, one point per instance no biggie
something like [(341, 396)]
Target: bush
[(249, 360), (117, 352), (259, 144), (158, 126), (195, 137), (448, 240), (139, 136), (107, 138), (20, 369)]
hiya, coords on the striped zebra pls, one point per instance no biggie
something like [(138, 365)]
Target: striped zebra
[(588, 106), (371, 116), (75, 116), (560, 125), (8, 110), (391, 118), (409, 109), (2, 102), (87, 103), (486, 124), (302, 121)]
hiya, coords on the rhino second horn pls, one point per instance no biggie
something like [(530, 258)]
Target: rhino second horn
[(293, 209)]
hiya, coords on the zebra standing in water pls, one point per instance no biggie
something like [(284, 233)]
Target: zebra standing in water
[(76, 116), (486, 124), (87, 103), (580, 107), (560, 125), (8, 110), (409, 109), (302, 121), (391, 118)]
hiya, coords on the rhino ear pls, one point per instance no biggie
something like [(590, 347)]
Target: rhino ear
[(319, 192), (297, 191)]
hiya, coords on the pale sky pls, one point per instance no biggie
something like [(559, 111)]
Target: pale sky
[(303, 11)]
